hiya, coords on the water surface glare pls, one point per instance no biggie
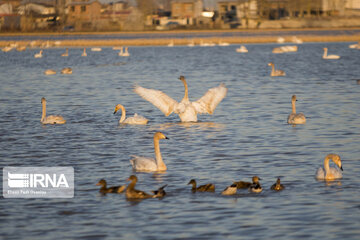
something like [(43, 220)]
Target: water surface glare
[(247, 135)]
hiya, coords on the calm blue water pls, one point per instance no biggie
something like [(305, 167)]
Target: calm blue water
[(247, 135)]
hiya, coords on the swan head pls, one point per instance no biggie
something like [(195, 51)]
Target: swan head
[(117, 107), (270, 64), (255, 179), (325, 49), (160, 135), (337, 160), (293, 98), (192, 181), (43, 100), (182, 78), (132, 178), (102, 182)]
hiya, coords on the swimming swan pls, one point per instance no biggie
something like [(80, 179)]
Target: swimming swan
[(52, 119), (126, 53), (242, 49), (277, 72), (66, 70), (186, 110), (136, 119), (295, 118), (66, 53), (84, 54), (149, 164), (39, 54), (49, 72), (329, 173), (325, 56)]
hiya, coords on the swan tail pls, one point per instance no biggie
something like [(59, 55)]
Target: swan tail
[(159, 99), (208, 102)]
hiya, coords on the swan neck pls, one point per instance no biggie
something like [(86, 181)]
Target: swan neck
[(159, 162), (293, 107), (43, 111), (326, 164), (325, 53), (272, 68), (123, 114), (186, 95)]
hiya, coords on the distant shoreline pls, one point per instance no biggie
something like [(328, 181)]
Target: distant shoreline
[(163, 38)]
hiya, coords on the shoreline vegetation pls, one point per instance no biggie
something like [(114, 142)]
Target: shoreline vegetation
[(181, 38)]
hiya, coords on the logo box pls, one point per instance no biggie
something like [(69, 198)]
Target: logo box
[(38, 182)]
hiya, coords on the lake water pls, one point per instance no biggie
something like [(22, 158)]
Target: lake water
[(247, 135)]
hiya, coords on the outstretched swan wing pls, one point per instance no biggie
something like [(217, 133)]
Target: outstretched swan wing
[(208, 102), (159, 99)]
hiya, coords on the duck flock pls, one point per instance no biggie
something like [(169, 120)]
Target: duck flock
[(188, 112)]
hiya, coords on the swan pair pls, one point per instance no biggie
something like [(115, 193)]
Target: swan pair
[(325, 56), (295, 118), (275, 72), (122, 53), (136, 119), (52, 119), (186, 110)]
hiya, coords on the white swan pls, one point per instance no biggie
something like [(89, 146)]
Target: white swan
[(297, 40), (96, 49), (49, 72), (66, 53), (223, 44), (66, 71), (295, 118), (126, 53), (242, 49), (355, 45), (136, 119), (186, 110), (52, 119), (329, 173), (325, 56), (280, 40), (84, 54), (39, 54), (275, 72), (149, 164), (171, 44)]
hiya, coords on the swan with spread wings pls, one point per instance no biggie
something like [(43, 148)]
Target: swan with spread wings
[(186, 110)]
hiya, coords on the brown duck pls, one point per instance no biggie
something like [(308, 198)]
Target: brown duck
[(242, 184), (104, 189), (160, 192), (133, 193), (203, 188), (277, 186)]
